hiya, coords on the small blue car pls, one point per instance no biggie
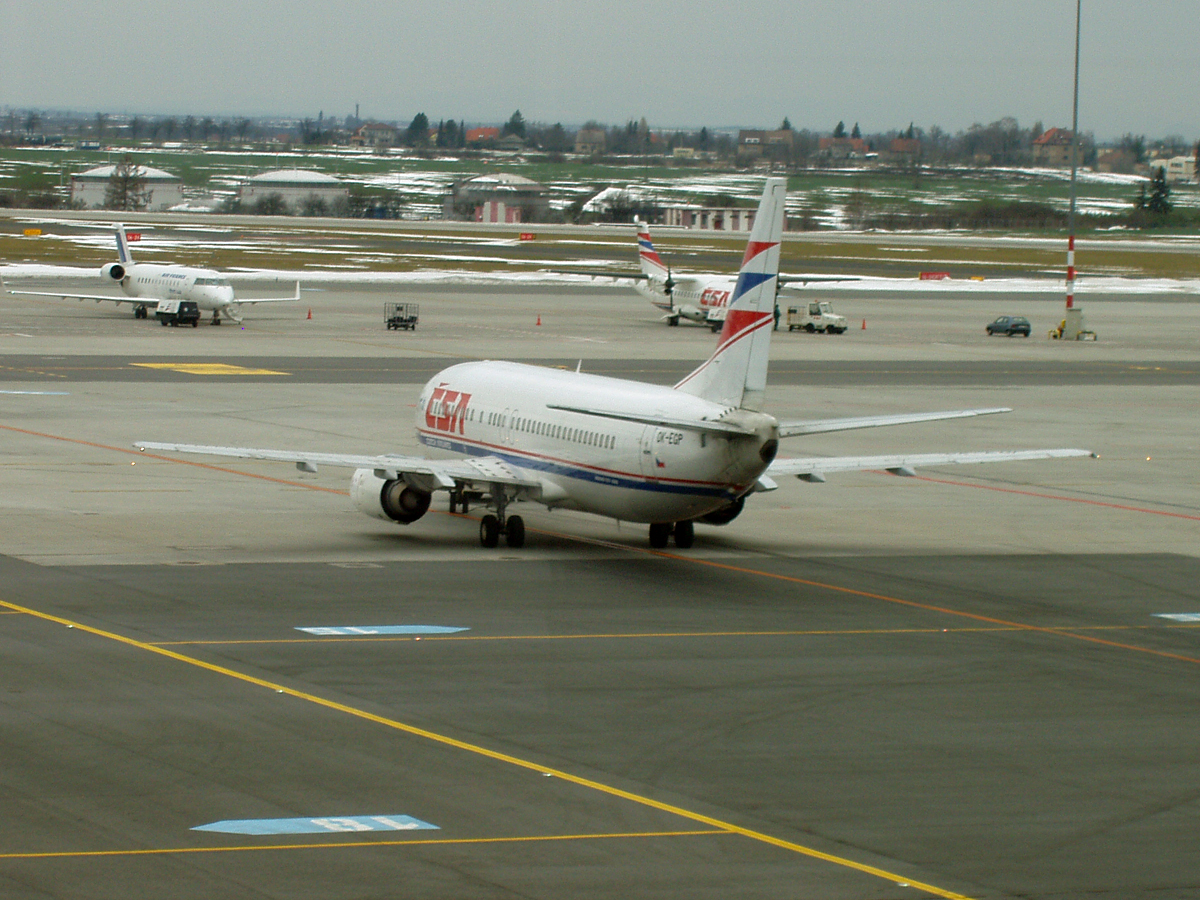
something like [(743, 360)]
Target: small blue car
[(1009, 325)]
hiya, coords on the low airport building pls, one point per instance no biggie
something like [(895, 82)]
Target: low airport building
[(710, 218), (499, 198), (89, 189), (292, 192)]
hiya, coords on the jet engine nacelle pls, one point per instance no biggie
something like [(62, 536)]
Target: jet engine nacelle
[(392, 501), (725, 514), (115, 271)]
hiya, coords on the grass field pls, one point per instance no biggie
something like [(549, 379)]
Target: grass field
[(296, 244)]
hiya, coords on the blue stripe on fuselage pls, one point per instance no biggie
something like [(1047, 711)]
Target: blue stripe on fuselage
[(554, 467)]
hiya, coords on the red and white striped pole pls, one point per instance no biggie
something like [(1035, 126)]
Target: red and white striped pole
[(1074, 167), (1071, 272)]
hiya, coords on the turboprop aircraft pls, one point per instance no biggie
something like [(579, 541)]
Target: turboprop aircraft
[(502, 433), (147, 284), (697, 297)]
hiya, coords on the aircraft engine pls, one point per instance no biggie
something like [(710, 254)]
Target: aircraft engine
[(392, 501), (115, 271), (725, 514)]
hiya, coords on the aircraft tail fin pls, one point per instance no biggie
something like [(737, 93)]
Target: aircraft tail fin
[(123, 256), (736, 373), (652, 266)]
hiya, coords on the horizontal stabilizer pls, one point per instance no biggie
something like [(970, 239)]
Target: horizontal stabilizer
[(821, 426), (815, 468)]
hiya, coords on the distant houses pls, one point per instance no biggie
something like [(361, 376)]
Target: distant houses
[(591, 141), (1053, 148), (375, 134), (753, 145)]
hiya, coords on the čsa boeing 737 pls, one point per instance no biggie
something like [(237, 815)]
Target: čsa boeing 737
[(145, 285), (502, 433)]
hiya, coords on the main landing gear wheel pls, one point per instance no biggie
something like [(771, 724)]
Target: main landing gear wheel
[(489, 531), (685, 534), (672, 320), (660, 533), (514, 532)]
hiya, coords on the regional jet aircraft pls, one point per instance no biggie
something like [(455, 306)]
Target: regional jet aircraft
[(501, 433), (147, 284)]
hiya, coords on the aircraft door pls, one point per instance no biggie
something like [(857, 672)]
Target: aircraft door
[(648, 465), (508, 427)]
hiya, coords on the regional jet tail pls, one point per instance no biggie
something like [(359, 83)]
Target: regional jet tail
[(503, 433), (145, 285)]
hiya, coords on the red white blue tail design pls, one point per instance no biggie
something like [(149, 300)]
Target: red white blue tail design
[(652, 266), (123, 246), (736, 373)]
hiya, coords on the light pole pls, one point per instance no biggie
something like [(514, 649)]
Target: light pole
[(1074, 169)]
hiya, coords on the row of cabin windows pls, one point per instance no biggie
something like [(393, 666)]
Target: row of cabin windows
[(560, 432)]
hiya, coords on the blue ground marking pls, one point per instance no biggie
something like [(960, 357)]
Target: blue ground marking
[(321, 825), (355, 630), (1179, 617), (40, 393)]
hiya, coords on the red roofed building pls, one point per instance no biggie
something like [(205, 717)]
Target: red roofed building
[(482, 135), (842, 148), (1053, 148)]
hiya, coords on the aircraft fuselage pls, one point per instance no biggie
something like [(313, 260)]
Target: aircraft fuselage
[(624, 468)]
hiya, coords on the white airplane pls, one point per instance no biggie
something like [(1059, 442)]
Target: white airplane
[(696, 297), (503, 433), (147, 284)]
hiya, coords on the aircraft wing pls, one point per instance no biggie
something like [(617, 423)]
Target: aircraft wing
[(291, 299), (617, 275), (815, 468), (112, 298), (820, 426), (427, 474), (785, 280)]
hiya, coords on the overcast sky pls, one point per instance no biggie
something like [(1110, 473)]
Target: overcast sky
[(701, 62)]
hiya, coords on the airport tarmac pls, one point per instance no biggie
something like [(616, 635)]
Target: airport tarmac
[(955, 685)]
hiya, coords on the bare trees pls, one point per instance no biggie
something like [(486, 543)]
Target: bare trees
[(127, 189)]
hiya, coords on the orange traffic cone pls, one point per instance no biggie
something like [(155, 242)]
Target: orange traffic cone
[(864, 328), (539, 321), (310, 313)]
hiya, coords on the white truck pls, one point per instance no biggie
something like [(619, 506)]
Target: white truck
[(817, 315)]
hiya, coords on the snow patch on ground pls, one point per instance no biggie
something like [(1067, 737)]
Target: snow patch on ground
[(1099, 285)]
